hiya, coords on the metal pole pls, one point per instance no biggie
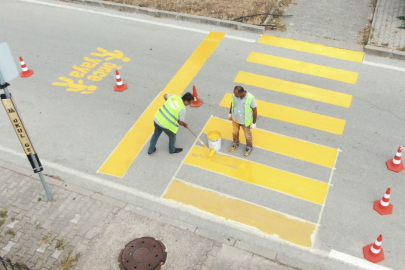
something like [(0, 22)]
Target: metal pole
[(5, 89), (48, 194)]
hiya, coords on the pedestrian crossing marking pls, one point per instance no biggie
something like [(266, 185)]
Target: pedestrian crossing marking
[(279, 225), (294, 116), (259, 174), (119, 161), (312, 48), (296, 89), (307, 151), (304, 67)]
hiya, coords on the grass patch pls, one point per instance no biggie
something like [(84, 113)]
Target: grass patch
[(365, 34), (60, 244), (3, 213), (69, 262), (55, 176), (10, 232), (2, 222), (219, 9), (45, 239)]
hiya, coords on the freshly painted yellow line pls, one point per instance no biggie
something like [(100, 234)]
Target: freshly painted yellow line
[(270, 222), (304, 67), (312, 48), (125, 153), (296, 89), (294, 116), (258, 174), (315, 153)]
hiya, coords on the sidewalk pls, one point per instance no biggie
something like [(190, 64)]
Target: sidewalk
[(386, 38), (81, 224)]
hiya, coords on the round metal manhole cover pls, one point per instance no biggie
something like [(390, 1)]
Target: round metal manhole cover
[(144, 253)]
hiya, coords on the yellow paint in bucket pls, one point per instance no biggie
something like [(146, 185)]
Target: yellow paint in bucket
[(214, 140)]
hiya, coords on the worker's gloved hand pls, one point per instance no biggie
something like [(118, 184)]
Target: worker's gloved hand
[(230, 117), (252, 126)]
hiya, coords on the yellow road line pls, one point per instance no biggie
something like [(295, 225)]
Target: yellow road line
[(125, 153), (304, 67), (312, 48), (296, 89), (270, 222), (259, 174), (294, 116), (314, 153)]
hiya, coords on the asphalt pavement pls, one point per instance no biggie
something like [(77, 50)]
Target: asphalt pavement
[(77, 122)]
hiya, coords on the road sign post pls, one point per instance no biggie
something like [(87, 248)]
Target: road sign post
[(9, 68)]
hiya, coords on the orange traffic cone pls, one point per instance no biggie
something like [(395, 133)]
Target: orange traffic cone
[(25, 71), (384, 207), (373, 252), (396, 163), (197, 102), (120, 87)]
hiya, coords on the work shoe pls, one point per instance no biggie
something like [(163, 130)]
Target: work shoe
[(152, 151), (233, 147), (248, 150), (178, 150)]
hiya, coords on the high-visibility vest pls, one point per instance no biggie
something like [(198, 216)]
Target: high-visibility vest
[(248, 110), (168, 114)]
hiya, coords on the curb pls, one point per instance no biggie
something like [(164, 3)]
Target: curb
[(384, 52), (230, 241), (172, 15)]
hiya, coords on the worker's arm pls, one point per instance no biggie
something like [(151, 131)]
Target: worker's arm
[(184, 124), (230, 112), (254, 115)]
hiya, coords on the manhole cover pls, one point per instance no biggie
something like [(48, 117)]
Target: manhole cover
[(144, 253)]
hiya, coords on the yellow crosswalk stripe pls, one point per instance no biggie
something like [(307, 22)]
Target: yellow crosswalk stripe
[(294, 116), (128, 149), (310, 152), (259, 174), (304, 67), (296, 89), (312, 48), (284, 227)]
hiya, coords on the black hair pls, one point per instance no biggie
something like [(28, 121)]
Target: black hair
[(187, 97), (239, 89)]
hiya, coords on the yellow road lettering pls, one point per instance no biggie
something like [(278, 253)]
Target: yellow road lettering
[(77, 74), (88, 65), (81, 69), (94, 61)]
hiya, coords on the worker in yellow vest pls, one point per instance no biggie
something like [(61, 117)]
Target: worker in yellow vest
[(168, 119), (242, 113)]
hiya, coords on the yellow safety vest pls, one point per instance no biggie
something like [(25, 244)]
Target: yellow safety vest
[(248, 110), (168, 114)]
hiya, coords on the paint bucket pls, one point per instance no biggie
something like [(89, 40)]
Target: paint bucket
[(214, 140)]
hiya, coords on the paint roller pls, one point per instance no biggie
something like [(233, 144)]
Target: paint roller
[(212, 151)]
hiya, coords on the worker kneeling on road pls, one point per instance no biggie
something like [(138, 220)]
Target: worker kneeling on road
[(168, 118), (243, 113)]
